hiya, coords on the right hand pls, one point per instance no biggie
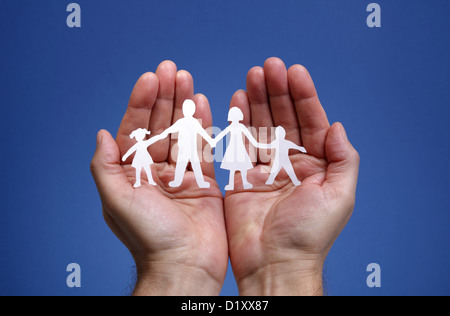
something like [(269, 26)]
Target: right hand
[(280, 235), (176, 235)]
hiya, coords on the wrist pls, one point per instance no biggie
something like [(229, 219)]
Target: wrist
[(296, 278), (173, 279)]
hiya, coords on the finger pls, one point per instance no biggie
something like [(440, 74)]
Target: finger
[(343, 159), (240, 100), (258, 98), (260, 110), (184, 89), (311, 115), (162, 113), (282, 107), (112, 183), (203, 113), (139, 110)]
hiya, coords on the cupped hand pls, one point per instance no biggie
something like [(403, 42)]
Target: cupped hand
[(176, 235), (280, 235)]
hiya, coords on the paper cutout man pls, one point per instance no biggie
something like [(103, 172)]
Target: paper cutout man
[(236, 157), (282, 147), (188, 128), (142, 159)]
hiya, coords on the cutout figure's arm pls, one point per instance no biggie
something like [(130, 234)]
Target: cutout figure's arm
[(129, 153), (299, 148), (267, 146), (250, 137), (153, 140), (204, 134), (173, 129), (221, 136)]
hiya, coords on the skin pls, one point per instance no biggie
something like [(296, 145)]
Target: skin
[(280, 235), (176, 235), (277, 236)]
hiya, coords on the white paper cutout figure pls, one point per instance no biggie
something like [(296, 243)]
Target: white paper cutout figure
[(188, 128), (282, 147), (142, 159), (236, 157)]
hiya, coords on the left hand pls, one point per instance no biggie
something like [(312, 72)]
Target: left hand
[(280, 235), (176, 235)]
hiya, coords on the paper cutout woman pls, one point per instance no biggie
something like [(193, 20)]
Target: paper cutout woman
[(282, 147), (236, 157), (142, 159)]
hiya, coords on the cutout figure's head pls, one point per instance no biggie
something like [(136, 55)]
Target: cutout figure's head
[(140, 134), (280, 132), (235, 115), (188, 108)]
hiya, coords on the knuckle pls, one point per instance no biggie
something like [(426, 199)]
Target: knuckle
[(93, 166), (355, 156)]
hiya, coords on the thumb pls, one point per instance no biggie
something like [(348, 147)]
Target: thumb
[(106, 169), (343, 160)]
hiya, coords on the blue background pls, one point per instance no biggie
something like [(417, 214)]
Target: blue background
[(59, 86)]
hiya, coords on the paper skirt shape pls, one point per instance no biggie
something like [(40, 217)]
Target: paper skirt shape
[(236, 156)]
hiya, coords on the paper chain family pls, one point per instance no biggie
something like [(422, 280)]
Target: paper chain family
[(236, 157)]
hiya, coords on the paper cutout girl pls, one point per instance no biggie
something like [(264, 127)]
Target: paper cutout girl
[(142, 159), (236, 157), (282, 147)]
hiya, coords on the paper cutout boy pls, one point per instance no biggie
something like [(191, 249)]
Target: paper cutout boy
[(282, 147)]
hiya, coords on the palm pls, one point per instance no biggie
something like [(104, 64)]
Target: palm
[(271, 212), (182, 219), (185, 227), (176, 226), (267, 224)]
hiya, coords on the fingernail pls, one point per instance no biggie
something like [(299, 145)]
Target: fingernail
[(99, 138), (344, 133)]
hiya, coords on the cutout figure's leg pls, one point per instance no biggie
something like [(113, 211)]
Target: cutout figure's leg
[(196, 167), (247, 185), (179, 173), (148, 171), (230, 186), (273, 176), (290, 171), (138, 178)]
